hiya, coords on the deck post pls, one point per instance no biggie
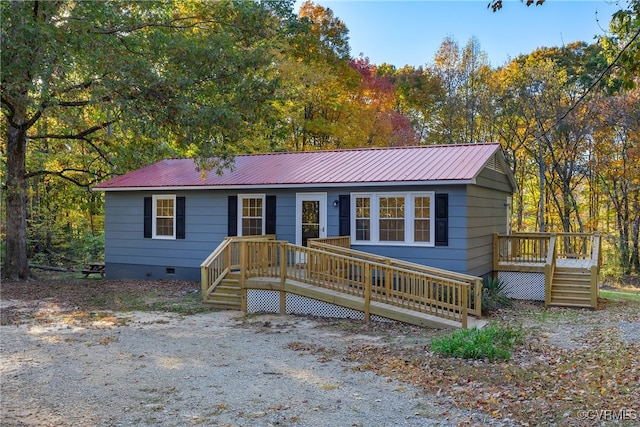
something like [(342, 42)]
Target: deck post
[(594, 286), (283, 277), (367, 292), (549, 269), (464, 304), (243, 275), (496, 252), (204, 282), (478, 297)]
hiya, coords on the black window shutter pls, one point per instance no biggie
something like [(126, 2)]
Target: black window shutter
[(180, 217), (442, 219), (148, 217), (270, 221), (344, 226), (232, 226)]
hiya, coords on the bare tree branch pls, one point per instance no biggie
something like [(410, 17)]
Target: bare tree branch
[(61, 174), (82, 135)]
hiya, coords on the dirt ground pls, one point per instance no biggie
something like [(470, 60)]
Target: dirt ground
[(92, 352)]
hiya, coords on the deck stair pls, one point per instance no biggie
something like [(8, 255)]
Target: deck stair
[(571, 288), (569, 262), (228, 294)]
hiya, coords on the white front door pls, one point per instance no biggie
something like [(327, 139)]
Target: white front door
[(311, 216)]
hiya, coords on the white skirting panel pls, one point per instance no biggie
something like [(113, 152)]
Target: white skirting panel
[(526, 286), (259, 301)]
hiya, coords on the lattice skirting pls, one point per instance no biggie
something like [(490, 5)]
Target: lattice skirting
[(260, 301), (527, 286)]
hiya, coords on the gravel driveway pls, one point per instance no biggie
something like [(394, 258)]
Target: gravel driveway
[(212, 369)]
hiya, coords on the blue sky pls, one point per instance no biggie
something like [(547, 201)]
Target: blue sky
[(410, 32)]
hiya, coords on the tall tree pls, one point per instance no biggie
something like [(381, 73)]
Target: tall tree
[(109, 76), (616, 166)]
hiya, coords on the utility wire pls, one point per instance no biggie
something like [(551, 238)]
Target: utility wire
[(596, 81)]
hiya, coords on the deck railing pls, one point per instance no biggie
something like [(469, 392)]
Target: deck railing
[(596, 263), (340, 241), (474, 298), (549, 268), (419, 291), (533, 248), (545, 252), (224, 259)]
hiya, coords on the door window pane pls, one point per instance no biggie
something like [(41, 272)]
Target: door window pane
[(310, 220)]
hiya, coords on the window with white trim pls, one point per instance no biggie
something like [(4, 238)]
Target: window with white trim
[(393, 218), (164, 217), (252, 215)]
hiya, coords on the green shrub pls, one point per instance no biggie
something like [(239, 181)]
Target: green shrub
[(493, 295), (492, 342)]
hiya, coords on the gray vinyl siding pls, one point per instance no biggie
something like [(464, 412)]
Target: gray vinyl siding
[(129, 255), (487, 203), (475, 213), (451, 257)]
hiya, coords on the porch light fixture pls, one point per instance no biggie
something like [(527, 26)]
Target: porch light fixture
[(336, 203)]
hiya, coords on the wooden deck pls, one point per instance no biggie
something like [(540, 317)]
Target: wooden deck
[(394, 290), (528, 266), (570, 263)]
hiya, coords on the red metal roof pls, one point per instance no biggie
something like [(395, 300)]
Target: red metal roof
[(359, 166)]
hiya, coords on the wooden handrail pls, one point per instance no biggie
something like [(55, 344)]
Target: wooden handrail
[(474, 282), (215, 268), (341, 241), (394, 285), (532, 248), (596, 260), (222, 260), (549, 269)]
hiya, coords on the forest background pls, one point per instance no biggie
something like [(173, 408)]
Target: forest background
[(91, 90)]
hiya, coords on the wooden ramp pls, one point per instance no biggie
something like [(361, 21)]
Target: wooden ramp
[(227, 296), (418, 296), (356, 303)]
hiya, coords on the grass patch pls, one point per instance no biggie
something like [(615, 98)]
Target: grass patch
[(493, 342), (629, 295)]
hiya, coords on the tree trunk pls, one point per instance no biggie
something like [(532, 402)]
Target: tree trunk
[(16, 265)]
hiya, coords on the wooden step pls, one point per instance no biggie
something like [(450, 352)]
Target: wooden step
[(585, 287), (571, 304), (571, 283), (222, 305)]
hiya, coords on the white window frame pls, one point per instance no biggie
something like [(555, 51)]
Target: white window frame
[(409, 218), (241, 198), (154, 227)]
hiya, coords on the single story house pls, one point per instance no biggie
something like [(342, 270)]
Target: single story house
[(433, 205)]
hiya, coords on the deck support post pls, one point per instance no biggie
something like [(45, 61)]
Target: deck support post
[(478, 298), (367, 292), (496, 253), (283, 277), (204, 282), (464, 305), (243, 275)]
